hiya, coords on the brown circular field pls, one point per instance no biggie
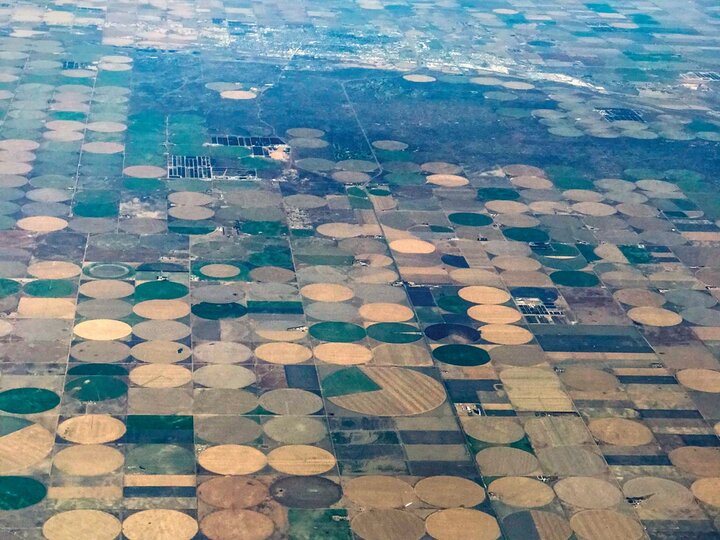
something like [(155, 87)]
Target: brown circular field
[(660, 497), (226, 524), (449, 492), (620, 432), (639, 297), (654, 316), (493, 430), (379, 492), (521, 492), (571, 461), (696, 460), (454, 523), (387, 524), (232, 492), (589, 379), (403, 392), (503, 461), (588, 492), (605, 525)]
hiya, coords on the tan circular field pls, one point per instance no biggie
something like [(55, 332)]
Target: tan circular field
[(283, 353), (639, 297), (521, 264), (523, 170), (224, 376), (701, 380), (327, 292), (447, 180), (417, 78), (238, 94), (522, 492), (412, 246), (102, 330), (291, 401), (75, 524), (403, 392), (507, 207), (454, 523), (232, 459), (220, 271), (24, 448), (53, 270), (582, 195), (386, 312), (144, 171), (440, 167), (660, 497), (478, 294), (91, 429), (505, 334), (493, 430), (107, 289), (531, 182), (588, 492), (654, 316), (605, 525), (343, 353), (160, 376), (593, 209), (707, 490), (162, 309), (505, 461), (494, 314), (301, 460), (88, 460), (103, 148), (162, 330), (589, 379), (161, 352), (42, 224), (159, 525)]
